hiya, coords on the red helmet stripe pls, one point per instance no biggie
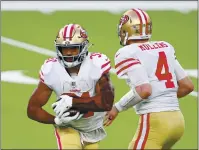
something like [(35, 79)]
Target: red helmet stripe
[(140, 18), (145, 20), (65, 29), (71, 31), (144, 15)]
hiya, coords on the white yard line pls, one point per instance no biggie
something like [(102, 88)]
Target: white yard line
[(17, 76), (194, 93), (28, 47), (48, 52)]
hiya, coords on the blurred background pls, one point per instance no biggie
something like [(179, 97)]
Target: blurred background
[(28, 31)]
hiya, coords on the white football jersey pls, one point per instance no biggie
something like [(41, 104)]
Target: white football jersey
[(54, 75), (158, 58)]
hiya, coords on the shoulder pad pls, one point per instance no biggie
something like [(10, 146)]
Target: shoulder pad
[(126, 52), (46, 67), (101, 64), (125, 58)]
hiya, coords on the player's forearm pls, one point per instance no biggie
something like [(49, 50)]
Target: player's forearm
[(133, 97), (182, 92), (40, 115), (185, 86), (98, 103)]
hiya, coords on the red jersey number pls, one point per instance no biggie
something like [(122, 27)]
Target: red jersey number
[(162, 62)]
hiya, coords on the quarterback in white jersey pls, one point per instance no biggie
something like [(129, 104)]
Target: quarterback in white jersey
[(156, 81), (83, 88)]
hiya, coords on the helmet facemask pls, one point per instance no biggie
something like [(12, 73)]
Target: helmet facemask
[(123, 37), (72, 60)]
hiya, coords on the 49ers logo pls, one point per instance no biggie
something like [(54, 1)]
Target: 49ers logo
[(124, 19), (83, 33)]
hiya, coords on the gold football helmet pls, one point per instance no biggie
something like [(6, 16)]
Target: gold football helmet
[(72, 36), (134, 24)]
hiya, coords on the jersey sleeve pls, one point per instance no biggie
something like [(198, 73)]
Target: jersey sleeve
[(125, 61), (101, 64), (179, 71), (44, 73), (137, 76)]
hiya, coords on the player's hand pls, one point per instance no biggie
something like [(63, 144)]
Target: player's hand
[(65, 118), (63, 104), (110, 116)]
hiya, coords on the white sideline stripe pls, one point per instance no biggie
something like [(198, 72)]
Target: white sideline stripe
[(17, 76), (111, 6), (48, 52), (28, 47), (194, 93)]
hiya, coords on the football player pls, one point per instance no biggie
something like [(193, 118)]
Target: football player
[(156, 80), (81, 82)]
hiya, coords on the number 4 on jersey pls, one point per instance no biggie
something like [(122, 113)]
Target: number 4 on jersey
[(162, 62)]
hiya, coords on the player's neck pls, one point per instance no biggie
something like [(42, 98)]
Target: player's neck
[(136, 41), (73, 69)]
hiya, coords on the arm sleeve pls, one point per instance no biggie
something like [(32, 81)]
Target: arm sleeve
[(128, 100)]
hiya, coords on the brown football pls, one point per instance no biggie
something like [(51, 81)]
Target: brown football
[(72, 112)]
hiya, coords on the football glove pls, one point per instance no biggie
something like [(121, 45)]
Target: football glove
[(63, 104), (65, 118)]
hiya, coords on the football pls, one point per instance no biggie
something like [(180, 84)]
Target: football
[(72, 112)]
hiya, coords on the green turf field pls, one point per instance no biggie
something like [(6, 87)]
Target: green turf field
[(19, 132)]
